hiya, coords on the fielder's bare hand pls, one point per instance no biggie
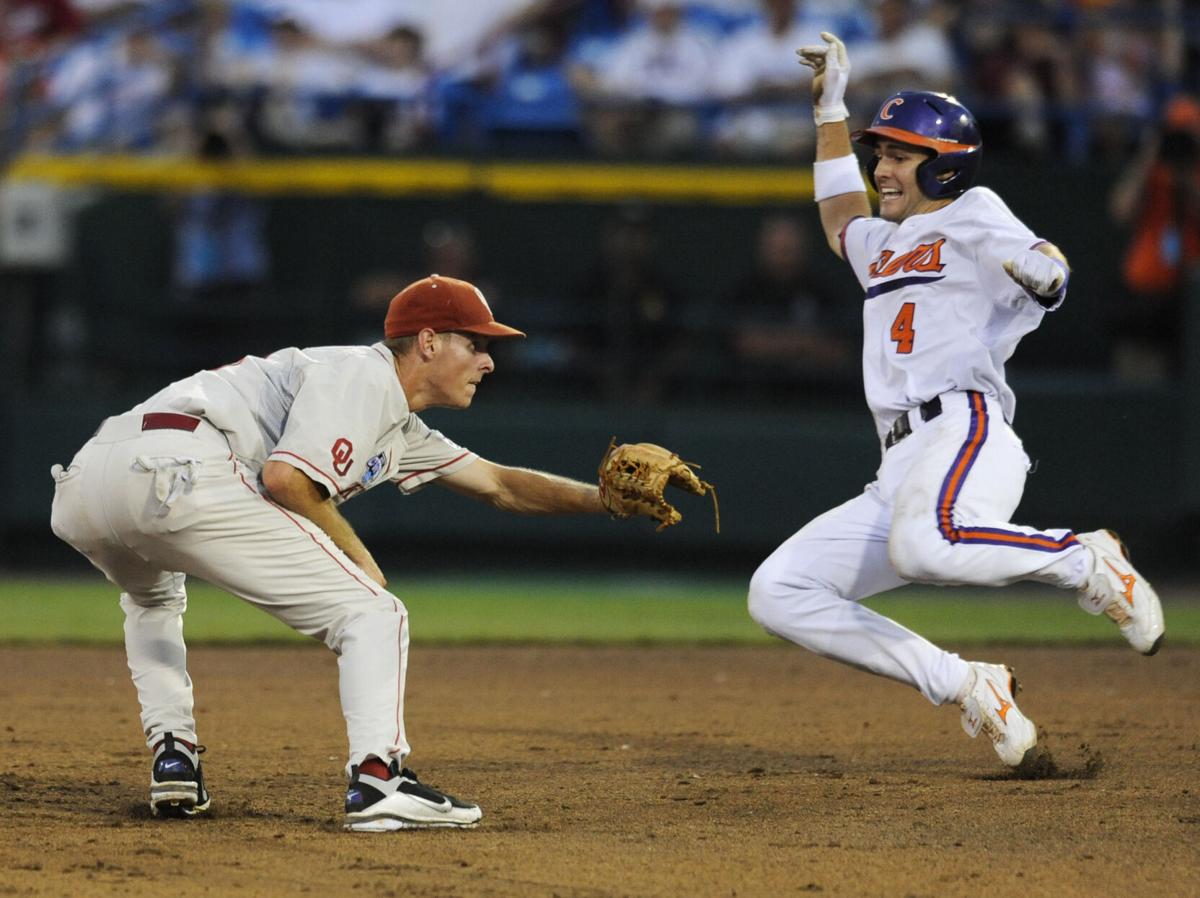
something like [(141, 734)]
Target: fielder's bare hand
[(831, 74)]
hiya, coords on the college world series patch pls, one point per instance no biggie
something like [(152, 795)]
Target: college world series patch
[(375, 467)]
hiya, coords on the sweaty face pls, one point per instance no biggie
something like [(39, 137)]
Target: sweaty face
[(461, 363), (896, 179)]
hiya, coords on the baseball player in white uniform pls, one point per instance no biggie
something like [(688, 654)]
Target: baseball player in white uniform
[(235, 475), (952, 281)]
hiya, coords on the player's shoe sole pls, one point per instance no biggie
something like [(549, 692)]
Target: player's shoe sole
[(395, 824), (990, 707), (177, 799), (1115, 589)]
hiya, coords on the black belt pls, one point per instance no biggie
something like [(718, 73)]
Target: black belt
[(169, 421), (901, 427)]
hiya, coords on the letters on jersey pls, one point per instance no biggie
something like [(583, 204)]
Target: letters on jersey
[(926, 257), (940, 313)]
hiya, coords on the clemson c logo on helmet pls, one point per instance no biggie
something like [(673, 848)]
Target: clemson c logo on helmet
[(886, 112)]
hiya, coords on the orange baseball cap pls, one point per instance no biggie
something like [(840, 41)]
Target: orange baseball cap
[(442, 304)]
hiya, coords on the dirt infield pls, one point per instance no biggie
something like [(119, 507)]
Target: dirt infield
[(613, 771)]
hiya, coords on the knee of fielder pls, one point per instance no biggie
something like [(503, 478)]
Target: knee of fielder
[(168, 593), (380, 625)]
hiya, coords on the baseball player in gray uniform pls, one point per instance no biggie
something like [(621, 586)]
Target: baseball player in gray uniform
[(952, 281), (236, 475)]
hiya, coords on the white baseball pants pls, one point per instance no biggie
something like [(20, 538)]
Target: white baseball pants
[(148, 507), (937, 513)]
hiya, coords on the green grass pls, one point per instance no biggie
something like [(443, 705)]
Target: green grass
[(504, 608)]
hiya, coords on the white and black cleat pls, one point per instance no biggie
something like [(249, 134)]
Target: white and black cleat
[(177, 779), (401, 801)]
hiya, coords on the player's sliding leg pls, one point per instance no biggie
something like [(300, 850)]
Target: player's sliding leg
[(951, 524), (807, 592)]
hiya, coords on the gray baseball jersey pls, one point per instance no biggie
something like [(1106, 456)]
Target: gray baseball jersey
[(172, 488), (337, 413)]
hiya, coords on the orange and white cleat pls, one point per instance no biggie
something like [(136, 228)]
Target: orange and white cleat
[(989, 705), (1115, 589)]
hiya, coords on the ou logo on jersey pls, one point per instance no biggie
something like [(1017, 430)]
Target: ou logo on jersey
[(343, 455)]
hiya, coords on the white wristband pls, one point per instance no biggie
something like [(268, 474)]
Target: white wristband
[(824, 115), (832, 177)]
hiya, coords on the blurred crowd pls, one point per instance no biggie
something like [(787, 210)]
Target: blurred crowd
[(646, 78), (1109, 83)]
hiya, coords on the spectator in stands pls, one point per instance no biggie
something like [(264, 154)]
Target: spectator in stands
[(221, 256), (530, 102), (760, 84), (910, 47), (789, 317), (76, 90), (1121, 68), (142, 83), (394, 88), (627, 322), (647, 97), (236, 49), (1158, 197), (306, 88), (1026, 71), (29, 28)]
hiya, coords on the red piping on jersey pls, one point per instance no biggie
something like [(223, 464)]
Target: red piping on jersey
[(400, 674), (431, 470), (283, 511)]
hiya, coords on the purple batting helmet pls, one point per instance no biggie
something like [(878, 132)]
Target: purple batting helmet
[(935, 122)]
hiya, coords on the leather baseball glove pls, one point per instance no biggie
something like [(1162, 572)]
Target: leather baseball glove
[(634, 475)]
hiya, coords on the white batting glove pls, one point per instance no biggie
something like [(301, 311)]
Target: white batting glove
[(832, 66), (1045, 278)]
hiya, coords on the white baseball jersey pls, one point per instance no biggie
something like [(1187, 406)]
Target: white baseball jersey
[(940, 313), (940, 318), (337, 413)]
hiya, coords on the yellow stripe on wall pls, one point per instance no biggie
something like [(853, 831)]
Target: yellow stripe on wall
[(526, 182)]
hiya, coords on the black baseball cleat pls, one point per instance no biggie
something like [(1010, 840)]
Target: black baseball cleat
[(401, 801), (177, 779)]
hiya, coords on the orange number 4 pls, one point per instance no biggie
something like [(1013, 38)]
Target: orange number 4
[(902, 328)]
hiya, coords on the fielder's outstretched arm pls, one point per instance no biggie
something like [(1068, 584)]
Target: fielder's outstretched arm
[(524, 491), (838, 185)]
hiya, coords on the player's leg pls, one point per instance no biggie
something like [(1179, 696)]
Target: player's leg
[(154, 602), (285, 565), (807, 591), (231, 536), (955, 499), (951, 524)]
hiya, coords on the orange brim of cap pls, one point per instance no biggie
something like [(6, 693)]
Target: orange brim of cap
[(913, 139), (492, 329)]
